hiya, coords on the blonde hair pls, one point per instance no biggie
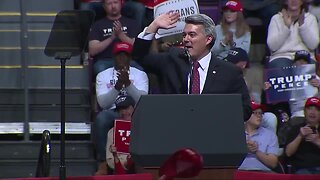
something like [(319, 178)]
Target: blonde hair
[(241, 25)]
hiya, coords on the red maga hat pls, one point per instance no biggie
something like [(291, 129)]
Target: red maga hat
[(313, 101), (122, 47), (233, 5), (183, 163)]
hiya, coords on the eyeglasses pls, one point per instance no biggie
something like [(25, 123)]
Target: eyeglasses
[(258, 113)]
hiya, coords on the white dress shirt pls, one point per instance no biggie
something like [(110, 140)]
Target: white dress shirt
[(203, 69)]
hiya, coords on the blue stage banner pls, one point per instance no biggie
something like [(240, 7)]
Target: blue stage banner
[(289, 83)]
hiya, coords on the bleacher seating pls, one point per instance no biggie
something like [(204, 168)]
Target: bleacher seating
[(30, 93)]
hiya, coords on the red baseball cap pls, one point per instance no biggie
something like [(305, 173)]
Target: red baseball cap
[(184, 163), (313, 101), (255, 106), (122, 47), (233, 5)]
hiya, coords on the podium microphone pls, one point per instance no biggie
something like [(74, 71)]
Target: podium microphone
[(187, 54)]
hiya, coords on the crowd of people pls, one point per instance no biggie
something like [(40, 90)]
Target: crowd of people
[(209, 58)]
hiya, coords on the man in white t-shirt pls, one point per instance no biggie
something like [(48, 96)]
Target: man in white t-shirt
[(110, 83)]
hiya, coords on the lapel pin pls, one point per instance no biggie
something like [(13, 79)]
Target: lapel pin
[(214, 72)]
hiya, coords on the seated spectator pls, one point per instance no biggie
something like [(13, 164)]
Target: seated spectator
[(136, 10), (303, 147), (106, 32), (297, 104), (94, 5), (233, 30), (263, 9), (120, 163), (262, 144), (140, 10), (240, 58), (291, 30), (121, 79), (302, 58)]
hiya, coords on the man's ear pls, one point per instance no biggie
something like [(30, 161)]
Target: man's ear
[(210, 39)]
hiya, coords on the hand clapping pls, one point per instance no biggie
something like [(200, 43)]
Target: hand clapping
[(123, 79), (305, 131), (286, 17), (117, 27), (315, 82), (252, 146), (301, 18)]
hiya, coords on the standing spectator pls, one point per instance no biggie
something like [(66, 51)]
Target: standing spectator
[(173, 68), (263, 147), (291, 30), (107, 31), (240, 58), (120, 163), (233, 30), (121, 79), (303, 147)]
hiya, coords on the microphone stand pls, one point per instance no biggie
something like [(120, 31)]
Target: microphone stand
[(187, 54)]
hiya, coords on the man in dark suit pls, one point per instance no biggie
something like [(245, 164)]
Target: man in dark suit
[(175, 68)]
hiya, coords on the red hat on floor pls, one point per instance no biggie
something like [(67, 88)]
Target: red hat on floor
[(233, 5), (184, 163)]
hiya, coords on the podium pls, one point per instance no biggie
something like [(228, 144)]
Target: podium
[(212, 124)]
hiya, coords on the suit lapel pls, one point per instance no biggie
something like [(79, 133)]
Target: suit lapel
[(183, 70), (211, 75), (185, 73)]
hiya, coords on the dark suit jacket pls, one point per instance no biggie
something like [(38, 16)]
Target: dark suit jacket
[(173, 68)]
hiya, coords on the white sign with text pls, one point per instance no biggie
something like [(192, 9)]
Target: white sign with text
[(185, 9)]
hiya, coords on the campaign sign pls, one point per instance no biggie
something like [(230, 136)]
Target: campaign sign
[(290, 83), (122, 135), (185, 9)]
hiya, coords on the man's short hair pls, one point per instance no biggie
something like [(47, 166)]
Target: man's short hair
[(206, 21)]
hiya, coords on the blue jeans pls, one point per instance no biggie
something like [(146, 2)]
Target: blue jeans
[(103, 123), (283, 62), (279, 63), (101, 65), (314, 170)]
